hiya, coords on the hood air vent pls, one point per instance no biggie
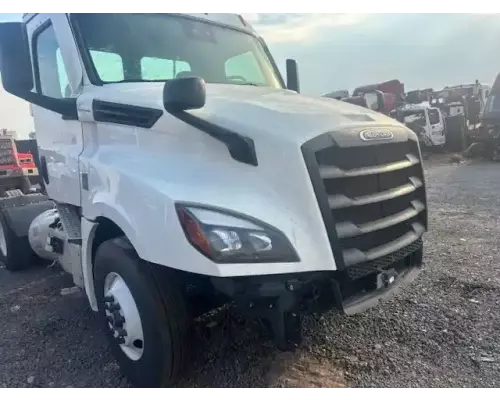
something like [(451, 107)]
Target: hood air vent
[(124, 114)]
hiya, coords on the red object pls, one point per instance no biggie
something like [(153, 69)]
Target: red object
[(390, 102), (20, 160), (26, 160), (394, 87)]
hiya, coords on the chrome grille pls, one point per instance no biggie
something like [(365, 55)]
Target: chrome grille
[(372, 198)]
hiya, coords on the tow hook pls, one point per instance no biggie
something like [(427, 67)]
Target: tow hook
[(386, 279)]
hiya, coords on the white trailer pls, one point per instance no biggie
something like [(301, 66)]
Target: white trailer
[(181, 172)]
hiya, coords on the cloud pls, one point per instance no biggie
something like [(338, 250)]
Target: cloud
[(291, 28)]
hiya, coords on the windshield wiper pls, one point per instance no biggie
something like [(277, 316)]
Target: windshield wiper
[(247, 84), (138, 80)]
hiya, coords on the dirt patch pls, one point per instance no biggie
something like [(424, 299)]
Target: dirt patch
[(302, 370)]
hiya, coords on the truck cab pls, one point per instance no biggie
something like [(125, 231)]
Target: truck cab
[(182, 172), (428, 120)]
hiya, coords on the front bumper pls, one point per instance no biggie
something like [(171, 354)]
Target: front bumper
[(283, 299)]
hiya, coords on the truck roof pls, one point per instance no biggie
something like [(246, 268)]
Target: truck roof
[(233, 20), (416, 107)]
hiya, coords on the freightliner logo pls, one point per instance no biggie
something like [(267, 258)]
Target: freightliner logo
[(376, 134)]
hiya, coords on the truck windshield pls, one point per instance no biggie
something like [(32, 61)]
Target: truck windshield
[(159, 47), (433, 116), (415, 117)]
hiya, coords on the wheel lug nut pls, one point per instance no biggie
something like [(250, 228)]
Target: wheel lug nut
[(118, 320), (109, 299), (114, 307), (121, 332)]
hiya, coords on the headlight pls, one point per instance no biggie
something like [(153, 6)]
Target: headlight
[(230, 238)]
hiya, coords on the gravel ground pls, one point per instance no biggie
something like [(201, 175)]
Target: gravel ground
[(440, 331)]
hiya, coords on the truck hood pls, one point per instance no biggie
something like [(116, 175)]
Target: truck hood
[(255, 111)]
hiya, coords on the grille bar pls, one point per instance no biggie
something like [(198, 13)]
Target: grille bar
[(356, 256), (341, 201), (332, 172), (348, 229)]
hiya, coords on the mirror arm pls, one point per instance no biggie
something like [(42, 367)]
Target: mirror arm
[(241, 148), (65, 107)]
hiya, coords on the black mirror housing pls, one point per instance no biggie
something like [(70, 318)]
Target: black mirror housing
[(15, 59), (292, 75), (17, 71), (184, 94)]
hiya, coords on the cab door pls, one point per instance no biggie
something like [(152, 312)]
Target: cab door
[(57, 73), (435, 125)]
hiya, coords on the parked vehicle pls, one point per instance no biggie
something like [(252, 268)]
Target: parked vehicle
[(489, 132), (462, 106), (18, 171), (338, 94), (182, 173), (426, 121), (393, 92)]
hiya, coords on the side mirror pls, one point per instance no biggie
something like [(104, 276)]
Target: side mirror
[(292, 75), (184, 94), (374, 100), (17, 72), (15, 59)]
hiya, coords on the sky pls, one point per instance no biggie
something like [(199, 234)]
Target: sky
[(343, 51)]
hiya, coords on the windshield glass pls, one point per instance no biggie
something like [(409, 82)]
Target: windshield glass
[(415, 117), (159, 47), (433, 116), (493, 104)]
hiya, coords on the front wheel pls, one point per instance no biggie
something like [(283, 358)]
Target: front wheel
[(145, 319)]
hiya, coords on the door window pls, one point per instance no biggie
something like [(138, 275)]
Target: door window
[(51, 78), (434, 117)]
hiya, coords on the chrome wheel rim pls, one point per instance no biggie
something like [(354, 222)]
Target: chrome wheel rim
[(123, 318)]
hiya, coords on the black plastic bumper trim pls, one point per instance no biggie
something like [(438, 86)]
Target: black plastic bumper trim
[(372, 299)]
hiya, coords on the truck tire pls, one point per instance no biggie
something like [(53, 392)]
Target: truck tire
[(144, 318), (16, 214), (456, 133), (15, 251)]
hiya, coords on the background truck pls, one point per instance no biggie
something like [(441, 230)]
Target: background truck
[(426, 121), (337, 94), (393, 92), (18, 171), (462, 106), (488, 134), (181, 173)]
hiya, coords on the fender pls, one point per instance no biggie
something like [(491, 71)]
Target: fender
[(89, 228)]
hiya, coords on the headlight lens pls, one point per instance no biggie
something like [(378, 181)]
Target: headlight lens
[(228, 238)]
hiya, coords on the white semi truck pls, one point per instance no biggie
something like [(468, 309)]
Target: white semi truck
[(181, 172)]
